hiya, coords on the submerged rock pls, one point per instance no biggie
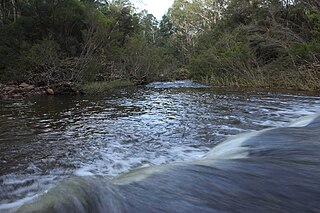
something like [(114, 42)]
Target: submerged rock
[(24, 85), (50, 91), (66, 88)]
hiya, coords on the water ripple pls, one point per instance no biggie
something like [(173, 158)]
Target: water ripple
[(48, 139)]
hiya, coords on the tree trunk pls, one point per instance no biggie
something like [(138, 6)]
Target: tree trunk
[(14, 10), (1, 15)]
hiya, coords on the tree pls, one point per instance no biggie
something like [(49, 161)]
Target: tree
[(149, 26), (166, 28)]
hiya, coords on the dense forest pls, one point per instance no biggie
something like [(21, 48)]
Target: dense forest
[(251, 43)]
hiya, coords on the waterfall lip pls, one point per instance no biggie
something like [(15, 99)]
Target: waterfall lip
[(232, 148), (309, 120), (235, 147), (241, 145), (139, 174), (258, 155)]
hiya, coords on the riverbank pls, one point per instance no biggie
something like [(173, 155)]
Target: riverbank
[(16, 91), (262, 84), (9, 91)]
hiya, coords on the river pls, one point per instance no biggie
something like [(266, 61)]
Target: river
[(44, 140)]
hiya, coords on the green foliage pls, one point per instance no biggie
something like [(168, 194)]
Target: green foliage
[(314, 19), (299, 52), (44, 53), (149, 27), (46, 42), (261, 43), (229, 56), (143, 61), (166, 28), (236, 42)]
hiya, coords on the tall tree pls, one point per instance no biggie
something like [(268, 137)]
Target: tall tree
[(149, 26)]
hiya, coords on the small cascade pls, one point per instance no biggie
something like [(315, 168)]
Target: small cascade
[(176, 84), (273, 170)]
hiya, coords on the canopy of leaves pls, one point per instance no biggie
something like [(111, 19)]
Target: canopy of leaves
[(226, 42)]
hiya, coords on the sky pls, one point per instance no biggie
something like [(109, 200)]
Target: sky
[(156, 7)]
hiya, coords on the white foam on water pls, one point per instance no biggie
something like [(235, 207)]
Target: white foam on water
[(232, 148), (281, 117), (84, 171), (304, 121), (140, 174), (118, 161), (176, 84), (12, 207), (269, 123), (31, 187), (31, 191), (225, 127), (114, 161), (105, 148)]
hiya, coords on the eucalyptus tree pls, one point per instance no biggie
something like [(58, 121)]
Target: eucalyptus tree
[(193, 17), (149, 26)]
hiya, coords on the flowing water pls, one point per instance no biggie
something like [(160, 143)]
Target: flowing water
[(44, 140)]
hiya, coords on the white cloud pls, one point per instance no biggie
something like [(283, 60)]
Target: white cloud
[(156, 7)]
